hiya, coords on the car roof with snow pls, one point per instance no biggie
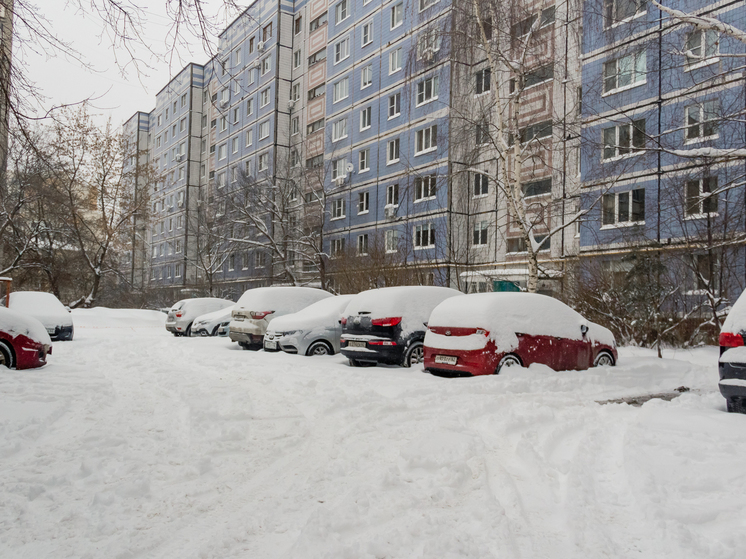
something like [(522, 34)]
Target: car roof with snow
[(329, 309), (36, 302), (280, 299), (16, 323)]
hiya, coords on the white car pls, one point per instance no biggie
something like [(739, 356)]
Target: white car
[(257, 307), (47, 309), (313, 331), (209, 324), (182, 314)]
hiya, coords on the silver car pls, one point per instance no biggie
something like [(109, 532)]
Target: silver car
[(182, 314), (209, 324), (313, 331)]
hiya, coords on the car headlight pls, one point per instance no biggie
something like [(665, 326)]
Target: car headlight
[(288, 333)]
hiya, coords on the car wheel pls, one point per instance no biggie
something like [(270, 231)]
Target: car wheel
[(415, 355), (510, 360), (188, 332), (319, 348), (177, 334), (735, 405), (215, 330), (6, 355), (604, 359)]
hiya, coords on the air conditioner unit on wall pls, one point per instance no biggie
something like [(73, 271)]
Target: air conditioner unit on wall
[(260, 46), (291, 104), (389, 212), (428, 55), (179, 157), (339, 181)]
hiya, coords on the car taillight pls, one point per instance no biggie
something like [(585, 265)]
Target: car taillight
[(730, 340), (179, 314), (388, 321), (258, 315), (379, 342), (343, 322)]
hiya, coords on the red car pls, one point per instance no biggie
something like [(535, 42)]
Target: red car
[(482, 333), (24, 342)]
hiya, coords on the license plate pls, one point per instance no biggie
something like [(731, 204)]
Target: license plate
[(446, 359), (355, 344), (50, 330), (270, 345)]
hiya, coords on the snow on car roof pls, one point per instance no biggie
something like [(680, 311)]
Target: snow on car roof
[(35, 302), (280, 299), (330, 308), (504, 314), (413, 303), (15, 323)]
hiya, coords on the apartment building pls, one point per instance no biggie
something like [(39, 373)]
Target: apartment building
[(662, 107)]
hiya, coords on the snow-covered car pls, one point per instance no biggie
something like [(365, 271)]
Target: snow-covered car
[(181, 316), (480, 334), (258, 307), (314, 330), (24, 341), (209, 324), (388, 325), (732, 362), (47, 309)]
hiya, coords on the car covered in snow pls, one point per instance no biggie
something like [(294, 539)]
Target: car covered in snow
[(47, 309), (209, 324), (182, 315), (732, 362), (314, 330), (24, 341), (483, 333), (387, 325), (258, 307)]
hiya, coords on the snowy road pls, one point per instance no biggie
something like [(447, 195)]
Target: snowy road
[(134, 444)]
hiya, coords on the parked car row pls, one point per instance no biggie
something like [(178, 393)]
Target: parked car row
[(452, 334)]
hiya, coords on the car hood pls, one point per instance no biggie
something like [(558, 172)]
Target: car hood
[(52, 320)]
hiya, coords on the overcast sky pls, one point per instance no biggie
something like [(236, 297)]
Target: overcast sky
[(119, 92)]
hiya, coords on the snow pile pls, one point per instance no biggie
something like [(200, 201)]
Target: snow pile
[(413, 303), (102, 317), (472, 342), (322, 313), (15, 323), (45, 307), (134, 443)]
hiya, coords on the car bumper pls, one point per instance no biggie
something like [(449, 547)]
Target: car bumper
[(33, 356), (468, 363), (61, 333), (732, 380), (389, 354), (243, 337)]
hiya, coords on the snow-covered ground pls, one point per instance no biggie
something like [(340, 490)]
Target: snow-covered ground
[(133, 443)]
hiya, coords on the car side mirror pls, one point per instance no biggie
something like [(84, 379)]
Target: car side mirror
[(425, 323), (583, 329)]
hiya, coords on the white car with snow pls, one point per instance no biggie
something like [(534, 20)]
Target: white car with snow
[(258, 307), (182, 315), (314, 330), (47, 309), (209, 324), (732, 362)]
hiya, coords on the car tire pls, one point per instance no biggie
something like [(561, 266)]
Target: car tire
[(735, 405), (215, 330), (6, 355), (604, 359), (319, 348), (509, 360), (415, 354), (188, 332), (356, 363)]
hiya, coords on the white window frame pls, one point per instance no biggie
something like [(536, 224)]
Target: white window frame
[(263, 162), (394, 104), (338, 209), (395, 61), (397, 15), (632, 150), (367, 34), (339, 129), (426, 140), (427, 90), (704, 58), (249, 137), (393, 152), (362, 244), (266, 64), (222, 151), (341, 50), (633, 65), (418, 236), (366, 74), (392, 240), (425, 188), (264, 97), (366, 118), (264, 129), (341, 11), (480, 233), (338, 94), (363, 203), (364, 160), (706, 115)]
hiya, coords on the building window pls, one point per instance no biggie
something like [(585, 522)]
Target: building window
[(263, 162), (260, 259), (427, 90), (362, 245), (294, 158), (221, 180), (296, 92), (234, 174), (341, 50), (318, 22), (424, 188), (337, 247), (392, 240), (339, 169), (395, 61), (249, 107), (424, 236), (315, 126), (484, 80), (316, 91), (249, 138), (480, 233), (365, 118), (266, 65), (397, 15), (250, 76), (366, 76), (296, 58), (363, 202), (427, 3), (481, 185), (394, 105), (518, 244), (234, 145), (247, 168), (624, 207), (264, 130), (426, 140), (392, 195), (315, 162), (701, 196), (625, 72), (705, 272), (537, 188), (222, 152), (231, 262), (295, 126), (701, 46), (702, 120), (364, 160), (225, 96), (428, 41), (178, 246), (482, 133), (339, 129), (267, 32), (539, 75), (341, 90), (341, 11), (616, 11), (298, 24), (338, 208), (317, 57), (624, 139), (392, 151), (264, 98), (367, 33)]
